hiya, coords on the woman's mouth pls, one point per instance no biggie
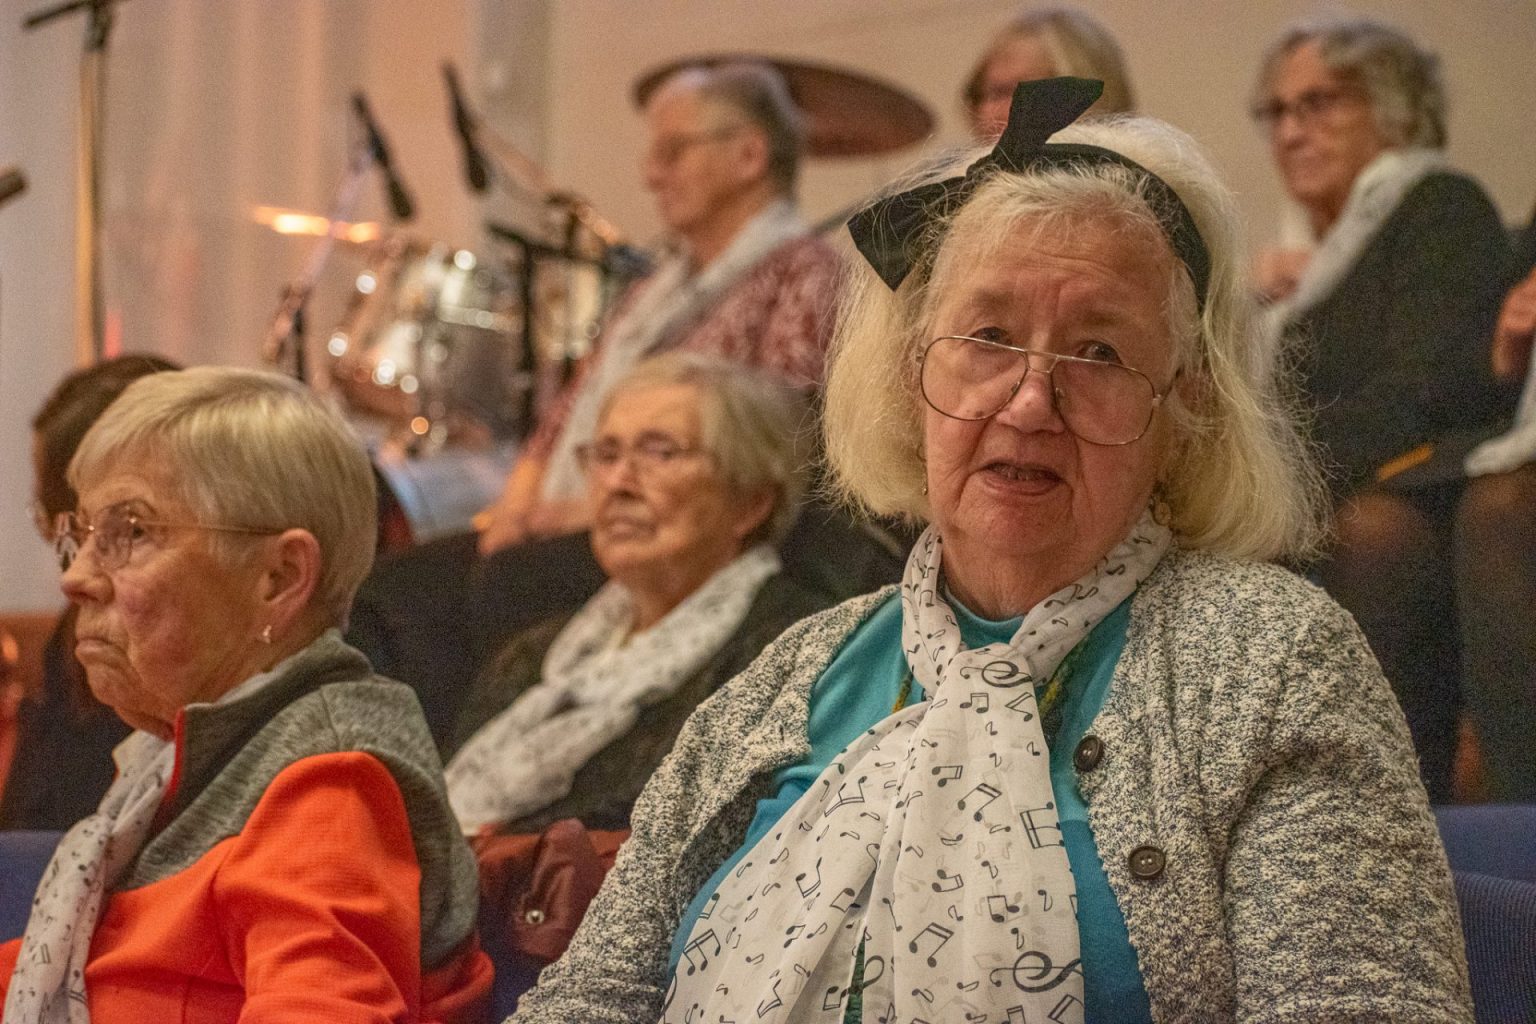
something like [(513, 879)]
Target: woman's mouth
[(1026, 478)]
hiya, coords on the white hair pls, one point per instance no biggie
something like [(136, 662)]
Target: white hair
[(249, 449), (1239, 479)]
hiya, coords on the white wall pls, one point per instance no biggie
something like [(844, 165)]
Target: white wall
[(221, 105)]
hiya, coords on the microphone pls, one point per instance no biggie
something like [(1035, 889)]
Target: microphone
[(464, 123), (12, 183), (399, 199)]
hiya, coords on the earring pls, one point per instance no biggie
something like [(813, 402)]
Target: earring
[(266, 634)]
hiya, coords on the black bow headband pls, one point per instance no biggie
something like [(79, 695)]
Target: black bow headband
[(890, 232)]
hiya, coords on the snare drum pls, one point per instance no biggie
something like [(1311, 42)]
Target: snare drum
[(432, 342)]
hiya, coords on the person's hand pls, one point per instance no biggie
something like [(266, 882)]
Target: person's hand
[(1277, 271), (1515, 331), (508, 520)]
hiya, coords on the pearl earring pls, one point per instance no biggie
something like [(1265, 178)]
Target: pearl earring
[(266, 634)]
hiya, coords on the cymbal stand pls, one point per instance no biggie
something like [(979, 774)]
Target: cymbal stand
[(89, 335), (285, 346)]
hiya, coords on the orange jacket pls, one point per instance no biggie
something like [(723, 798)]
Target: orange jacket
[(311, 913)]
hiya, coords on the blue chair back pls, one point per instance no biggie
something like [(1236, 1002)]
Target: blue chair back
[(1490, 839), (1498, 919), (23, 856)]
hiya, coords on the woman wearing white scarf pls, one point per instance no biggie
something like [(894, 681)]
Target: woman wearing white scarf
[(1391, 321), (1057, 774), (694, 472), (277, 844)]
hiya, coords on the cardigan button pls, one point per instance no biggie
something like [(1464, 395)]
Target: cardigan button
[(1089, 752), (1147, 862), (534, 916)]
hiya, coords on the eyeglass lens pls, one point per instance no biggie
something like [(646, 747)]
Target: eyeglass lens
[(1102, 403)]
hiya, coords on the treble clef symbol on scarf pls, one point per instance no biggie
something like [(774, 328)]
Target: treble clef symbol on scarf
[(1034, 972)]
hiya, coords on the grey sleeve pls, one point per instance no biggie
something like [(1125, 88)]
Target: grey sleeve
[(1339, 903)]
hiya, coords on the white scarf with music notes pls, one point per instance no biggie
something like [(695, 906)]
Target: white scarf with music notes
[(933, 840)]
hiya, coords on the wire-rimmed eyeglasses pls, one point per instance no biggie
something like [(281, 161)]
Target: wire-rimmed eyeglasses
[(1100, 402), (1308, 108), (115, 530), (651, 453)]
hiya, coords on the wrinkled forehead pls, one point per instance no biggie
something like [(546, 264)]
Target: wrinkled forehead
[(673, 410)]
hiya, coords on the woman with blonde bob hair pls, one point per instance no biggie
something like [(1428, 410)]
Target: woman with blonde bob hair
[(1092, 759), (278, 843)]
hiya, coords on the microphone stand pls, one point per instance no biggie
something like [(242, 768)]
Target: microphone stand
[(89, 337), (285, 345)]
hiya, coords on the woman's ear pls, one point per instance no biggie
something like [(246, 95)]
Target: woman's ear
[(755, 510), (290, 575)]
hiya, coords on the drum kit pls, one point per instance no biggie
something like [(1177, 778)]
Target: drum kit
[(442, 350)]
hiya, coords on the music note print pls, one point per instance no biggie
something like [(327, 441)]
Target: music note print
[(1046, 903), (990, 792), (1017, 704), (939, 933), (844, 798), (1036, 830), (948, 882), (948, 773), (980, 701), (697, 947), (807, 891), (999, 916)]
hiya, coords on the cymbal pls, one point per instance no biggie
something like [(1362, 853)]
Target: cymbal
[(297, 222), (847, 112)]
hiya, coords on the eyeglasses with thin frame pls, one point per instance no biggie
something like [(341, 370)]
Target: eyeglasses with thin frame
[(116, 529), (670, 149), (1100, 402), (651, 454), (1309, 108)]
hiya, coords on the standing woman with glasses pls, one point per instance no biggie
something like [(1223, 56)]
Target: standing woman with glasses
[(1390, 320), (1092, 759), (277, 844), (62, 723), (695, 475)]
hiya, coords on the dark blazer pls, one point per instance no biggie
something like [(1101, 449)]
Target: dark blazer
[(1398, 355), (607, 786)]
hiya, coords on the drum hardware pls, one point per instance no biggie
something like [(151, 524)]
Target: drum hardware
[(90, 338)]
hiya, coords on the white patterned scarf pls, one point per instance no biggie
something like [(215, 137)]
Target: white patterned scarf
[(48, 985), (592, 689), (932, 840), (673, 299), (1376, 194)]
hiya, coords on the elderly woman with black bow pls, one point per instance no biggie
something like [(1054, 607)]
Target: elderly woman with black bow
[(1092, 759), (278, 844)]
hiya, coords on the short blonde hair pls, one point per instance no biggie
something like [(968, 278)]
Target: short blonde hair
[(1079, 46), (1241, 480), (752, 426), (251, 449)]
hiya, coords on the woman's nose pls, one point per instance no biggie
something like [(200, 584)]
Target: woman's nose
[(1033, 405), (83, 580)]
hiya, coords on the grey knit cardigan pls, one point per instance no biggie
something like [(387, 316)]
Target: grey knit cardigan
[(1248, 734)]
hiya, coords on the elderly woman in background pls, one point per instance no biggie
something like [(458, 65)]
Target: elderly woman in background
[(1044, 42), (693, 476), (1391, 317), (1092, 759), (63, 724), (278, 844)]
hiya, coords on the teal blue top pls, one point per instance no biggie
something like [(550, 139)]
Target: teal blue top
[(860, 687)]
